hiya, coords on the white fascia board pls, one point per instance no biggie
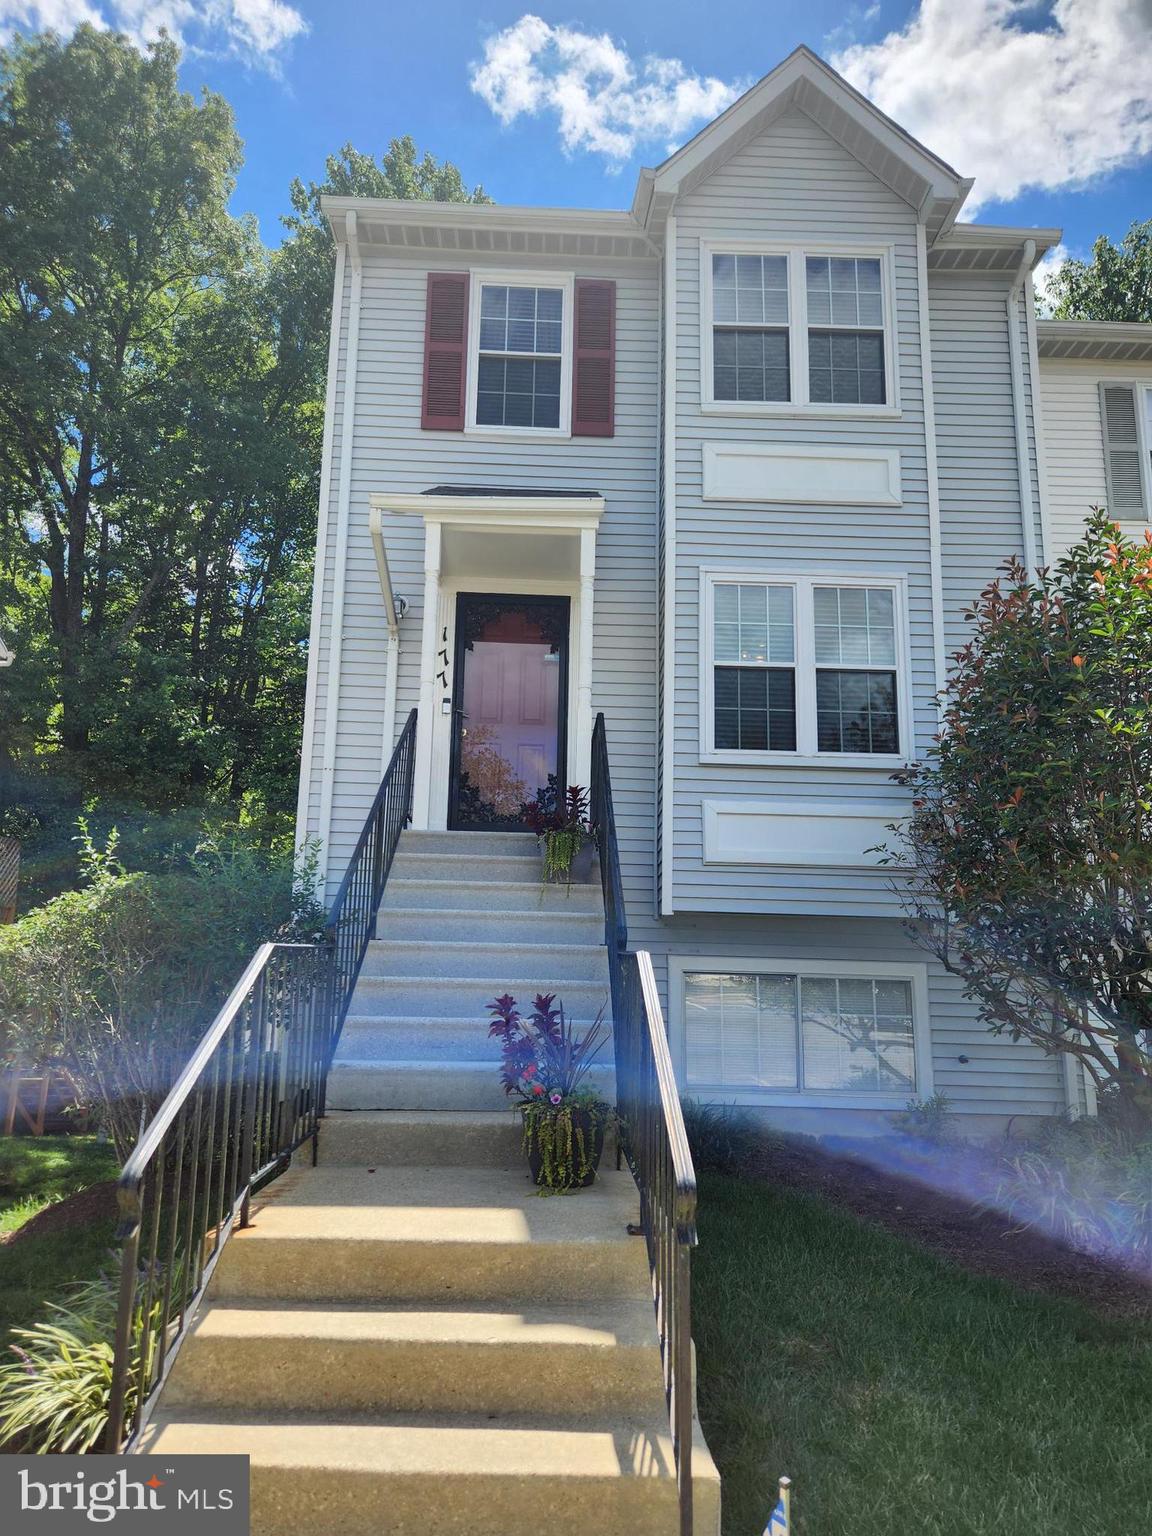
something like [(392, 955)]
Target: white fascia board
[(477, 216), (1002, 237), (553, 510)]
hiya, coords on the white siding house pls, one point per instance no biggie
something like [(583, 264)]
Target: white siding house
[(742, 453)]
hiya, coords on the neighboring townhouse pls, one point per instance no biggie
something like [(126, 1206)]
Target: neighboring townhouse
[(726, 467)]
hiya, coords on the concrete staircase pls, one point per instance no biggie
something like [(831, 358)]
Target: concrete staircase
[(408, 1341), (464, 919)]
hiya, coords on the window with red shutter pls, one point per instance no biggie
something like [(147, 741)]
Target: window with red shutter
[(445, 351), (594, 362)]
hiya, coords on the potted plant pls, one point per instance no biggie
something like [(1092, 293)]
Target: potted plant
[(545, 1064), (564, 832)]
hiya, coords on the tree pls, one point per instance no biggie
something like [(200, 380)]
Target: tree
[(1115, 285), (113, 192), (1029, 846)]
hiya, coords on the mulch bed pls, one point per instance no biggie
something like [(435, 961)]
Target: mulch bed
[(979, 1240), (88, 1206)]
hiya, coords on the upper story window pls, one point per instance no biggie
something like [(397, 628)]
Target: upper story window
[(797, 328), (520, 363), (1126, 418), (803, 667)]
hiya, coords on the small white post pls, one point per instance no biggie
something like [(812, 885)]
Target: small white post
[(422, 788), (581, 756)]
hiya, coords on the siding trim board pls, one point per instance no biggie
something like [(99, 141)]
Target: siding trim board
[(823, 474), (935, 540), (671, 367)]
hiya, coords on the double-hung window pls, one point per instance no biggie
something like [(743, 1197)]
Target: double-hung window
[(796, 1031), (803, 666), (520, 353), (1126, 419), (797, 328)]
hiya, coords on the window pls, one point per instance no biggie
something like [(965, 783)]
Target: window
[(800, 1030), (796, 327), (750, 312), (803, 665), (521, 356), (845, 330), (1126, 417)]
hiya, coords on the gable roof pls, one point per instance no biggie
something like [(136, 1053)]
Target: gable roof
[(804, 82)]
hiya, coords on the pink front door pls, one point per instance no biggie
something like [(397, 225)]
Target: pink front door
[(509, 700)]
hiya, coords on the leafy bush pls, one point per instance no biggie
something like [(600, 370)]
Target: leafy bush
[(722, 1137), (115, 981), (1088, 1183), (928, 1120), (54, 1393)]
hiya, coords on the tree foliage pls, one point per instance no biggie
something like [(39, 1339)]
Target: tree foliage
[(161, 416), (1030, 840), (1115, 285)]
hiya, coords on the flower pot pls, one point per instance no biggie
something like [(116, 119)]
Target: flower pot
[(564, 1147), (579, 872)]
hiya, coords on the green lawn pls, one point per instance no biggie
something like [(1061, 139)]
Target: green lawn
[(901, 1394), (34, 1172)]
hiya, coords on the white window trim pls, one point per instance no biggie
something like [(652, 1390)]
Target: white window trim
[(1142, 389), (799, 405), (802, 583), (915, 973), (485, 276)]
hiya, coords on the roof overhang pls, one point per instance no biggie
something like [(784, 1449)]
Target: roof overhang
[(1108, 341), (989, 248), (804, 82), (489, 228), (542, 514), (7, 657)]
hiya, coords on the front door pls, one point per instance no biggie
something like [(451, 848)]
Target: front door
[(509, 707)]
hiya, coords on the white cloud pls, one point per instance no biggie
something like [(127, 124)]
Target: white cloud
[(256, 31), (1014, 97), (603, 100)]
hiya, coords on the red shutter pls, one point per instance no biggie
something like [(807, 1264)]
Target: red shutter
[(594, 383), (445, 351)]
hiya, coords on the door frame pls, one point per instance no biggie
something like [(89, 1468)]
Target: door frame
[(440, 732), (513, 599)]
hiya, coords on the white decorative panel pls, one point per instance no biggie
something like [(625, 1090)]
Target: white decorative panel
[(818, 473), (829, 833)]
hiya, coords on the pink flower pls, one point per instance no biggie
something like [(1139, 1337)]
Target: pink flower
[(538, 1089), (555, 1098), (530, 1069)]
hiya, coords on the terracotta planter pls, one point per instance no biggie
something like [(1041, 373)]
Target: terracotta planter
[(593, 1132), (579, 871)]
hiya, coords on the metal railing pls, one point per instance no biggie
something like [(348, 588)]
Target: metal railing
[(652, 1130), (250, 1095)]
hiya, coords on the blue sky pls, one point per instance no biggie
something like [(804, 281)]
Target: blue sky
[(1047, 104)]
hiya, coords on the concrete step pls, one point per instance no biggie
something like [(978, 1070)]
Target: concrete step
[(412, 1477), (371, 1037), (421, 996), (402, 893), (465, 866), (585, 1360), (464, 925), (421, 1139), (434, 1237), (388, 1083), (447, 957), (477, 845)]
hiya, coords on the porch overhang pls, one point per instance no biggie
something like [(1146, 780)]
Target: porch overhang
[(493, 539)]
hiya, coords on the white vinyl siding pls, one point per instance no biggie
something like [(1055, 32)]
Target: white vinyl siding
[(1076, 443)]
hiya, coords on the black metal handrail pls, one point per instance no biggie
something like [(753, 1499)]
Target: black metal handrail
[(250, 1095), (653, 1135), (353, 914)]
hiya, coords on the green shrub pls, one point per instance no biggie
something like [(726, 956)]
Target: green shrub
[(721, 1136), (1087, 1182), (929, 1120), (54, 1392), (117, 980)]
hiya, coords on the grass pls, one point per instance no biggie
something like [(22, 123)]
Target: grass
[(903, 1394), (34, 1173)]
